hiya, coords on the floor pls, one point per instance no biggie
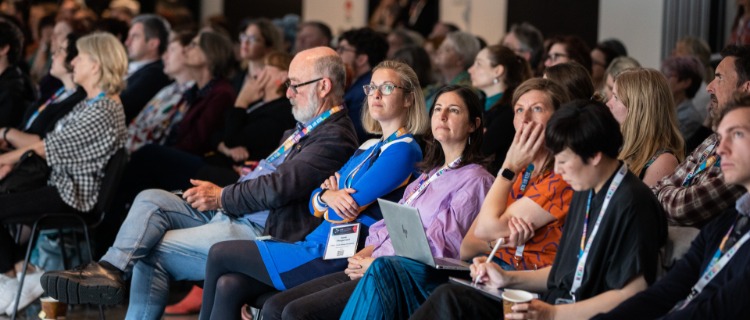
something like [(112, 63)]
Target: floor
[(111, 313)]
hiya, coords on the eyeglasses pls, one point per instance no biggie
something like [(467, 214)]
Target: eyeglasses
[(554, 56), (248, 38), (192, 44), (385, 89), (294, 87), (342, 49)]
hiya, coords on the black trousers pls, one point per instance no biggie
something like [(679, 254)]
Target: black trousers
[(321, 298), (454, 301), (25, 207), (235, 274)]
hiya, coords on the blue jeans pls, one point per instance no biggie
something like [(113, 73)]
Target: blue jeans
[(164, 239)]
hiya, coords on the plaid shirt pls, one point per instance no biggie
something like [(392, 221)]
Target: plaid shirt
[(79, 148), (707, 195)]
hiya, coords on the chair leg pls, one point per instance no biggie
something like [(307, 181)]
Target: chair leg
[(23, 270), (91, 259), (63, 252)]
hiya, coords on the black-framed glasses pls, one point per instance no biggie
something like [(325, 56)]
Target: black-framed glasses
[(294, 87), (385, 88)]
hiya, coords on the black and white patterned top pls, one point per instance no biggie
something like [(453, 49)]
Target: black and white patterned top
[(80, 147)]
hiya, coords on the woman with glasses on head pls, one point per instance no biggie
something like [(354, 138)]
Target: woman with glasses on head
[(642, 104), (239, 271), (77, 150), (447, 194), (41, 119)]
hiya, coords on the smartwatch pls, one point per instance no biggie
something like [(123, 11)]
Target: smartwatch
[(507, 174)]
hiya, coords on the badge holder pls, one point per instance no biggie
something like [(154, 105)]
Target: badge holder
[(342, 241)]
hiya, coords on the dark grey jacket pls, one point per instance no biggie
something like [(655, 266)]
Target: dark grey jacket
[(286, 192)]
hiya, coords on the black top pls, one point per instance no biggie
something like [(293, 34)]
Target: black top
[(259, 129), (499, 134), (17, 93), (46, 120), (626, 245), (725, 297), (143, 85)]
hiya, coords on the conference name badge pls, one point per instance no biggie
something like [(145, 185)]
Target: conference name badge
[(342, 241)]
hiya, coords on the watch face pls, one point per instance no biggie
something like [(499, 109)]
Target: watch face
[(507, 174)]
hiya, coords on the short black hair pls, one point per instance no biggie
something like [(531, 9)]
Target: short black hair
[(154, 26), (323, 28), (585, 127), (11, 36), (741, 54), (369, 42)]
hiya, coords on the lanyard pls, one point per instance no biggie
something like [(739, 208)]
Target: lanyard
[(524, 183), (93, 100), (299, 134), (716, 265), (349, 179), (586, 242), (60, 94), (706, 162), (424, 182)]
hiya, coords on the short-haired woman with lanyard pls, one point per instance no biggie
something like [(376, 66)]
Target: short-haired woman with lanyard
[(41, 119), (77, 151), (610, 242), (525, 189), (448, 195), (239, 271)]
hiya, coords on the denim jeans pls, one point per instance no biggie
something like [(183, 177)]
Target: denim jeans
[(164, 239)]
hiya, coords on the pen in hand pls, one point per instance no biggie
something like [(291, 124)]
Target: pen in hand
[(499, 242)]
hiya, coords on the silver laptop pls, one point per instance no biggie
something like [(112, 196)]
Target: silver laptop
[(408, 237)]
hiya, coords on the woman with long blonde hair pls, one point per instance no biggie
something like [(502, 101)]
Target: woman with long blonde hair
[(642, 103)]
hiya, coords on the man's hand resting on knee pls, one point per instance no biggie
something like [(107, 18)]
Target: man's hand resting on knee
[(203, 196)]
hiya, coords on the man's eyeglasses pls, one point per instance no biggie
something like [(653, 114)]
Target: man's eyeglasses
[(385, 88), (294, 87)]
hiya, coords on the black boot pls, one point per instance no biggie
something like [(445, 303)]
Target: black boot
[(94, 283)]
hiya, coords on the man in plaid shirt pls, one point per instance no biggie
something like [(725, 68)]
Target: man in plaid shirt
[(696, 192)]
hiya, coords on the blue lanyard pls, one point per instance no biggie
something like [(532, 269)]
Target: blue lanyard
[(349, 179), (90, 102), (526, 177), (706, 162), (58, 95)]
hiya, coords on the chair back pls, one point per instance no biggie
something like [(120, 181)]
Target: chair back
[(112, 175)]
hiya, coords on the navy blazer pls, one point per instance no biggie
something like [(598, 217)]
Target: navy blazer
[(287, 191), (143, 85)]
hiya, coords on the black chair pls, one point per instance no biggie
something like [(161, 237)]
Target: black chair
[(57, 221)]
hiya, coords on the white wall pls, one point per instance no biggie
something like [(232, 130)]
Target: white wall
[(335, 13), (638, 24), (485, 18), (210, 8)]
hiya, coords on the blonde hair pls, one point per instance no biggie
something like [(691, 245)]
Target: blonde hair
[(110, 54), (417, 121), (651, 123)]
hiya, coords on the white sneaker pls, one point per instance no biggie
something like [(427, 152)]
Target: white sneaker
[(8, 289), (32, 289)]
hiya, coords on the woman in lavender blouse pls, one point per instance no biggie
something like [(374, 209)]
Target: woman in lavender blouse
[(448, 194)]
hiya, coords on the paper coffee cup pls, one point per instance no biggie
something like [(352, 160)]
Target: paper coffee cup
[(53, 309), (512, 297)]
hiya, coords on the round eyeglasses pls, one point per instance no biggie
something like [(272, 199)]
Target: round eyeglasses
[(385, 88)]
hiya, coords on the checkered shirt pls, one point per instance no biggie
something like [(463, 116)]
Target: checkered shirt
[(79, 148)]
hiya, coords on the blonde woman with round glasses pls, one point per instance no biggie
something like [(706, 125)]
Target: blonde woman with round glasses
[(380, 168)]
